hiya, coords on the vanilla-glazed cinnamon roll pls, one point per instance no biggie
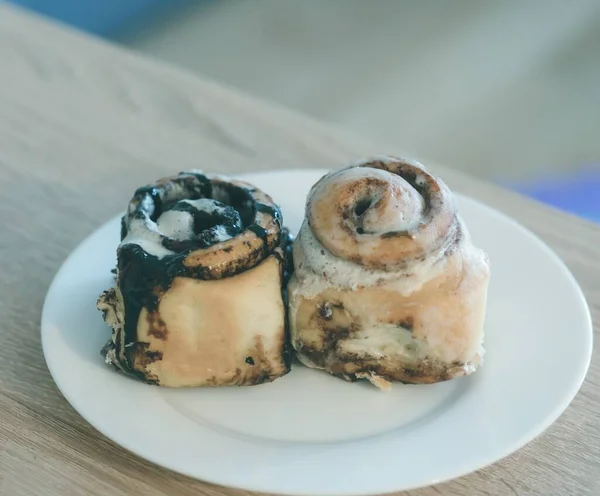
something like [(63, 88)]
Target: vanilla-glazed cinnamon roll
[(387, 285), (198, 300)]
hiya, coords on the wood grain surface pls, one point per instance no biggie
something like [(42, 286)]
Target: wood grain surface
[(82, 124)]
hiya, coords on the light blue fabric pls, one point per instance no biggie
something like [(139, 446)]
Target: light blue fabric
[(578, 194), (101, 17)]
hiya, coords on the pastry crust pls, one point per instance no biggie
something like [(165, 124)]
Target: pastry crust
[(195, 310), (359, 308), (227, 331)]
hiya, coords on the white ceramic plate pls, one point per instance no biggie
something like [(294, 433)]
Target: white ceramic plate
[(309, 433)]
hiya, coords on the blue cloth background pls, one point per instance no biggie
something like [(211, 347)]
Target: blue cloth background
[(101, 17), (578, 193)]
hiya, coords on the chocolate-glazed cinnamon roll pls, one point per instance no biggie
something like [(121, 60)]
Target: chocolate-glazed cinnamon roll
[(387, 285), (198, 300)]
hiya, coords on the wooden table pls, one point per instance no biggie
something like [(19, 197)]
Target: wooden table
[(82, 124)]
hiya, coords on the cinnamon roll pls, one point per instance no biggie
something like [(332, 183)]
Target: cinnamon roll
[(198, 299), (387, 285)]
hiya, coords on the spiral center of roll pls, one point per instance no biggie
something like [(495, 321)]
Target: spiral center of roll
[(384, 214), (392, 205)]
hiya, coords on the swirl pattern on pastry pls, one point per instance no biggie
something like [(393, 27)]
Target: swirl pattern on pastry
[(383, 216), (204, 226)]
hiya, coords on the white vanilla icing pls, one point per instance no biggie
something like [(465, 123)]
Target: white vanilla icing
[(222, 234), (175, 224), (206, 205), (396, 207), (147, 237), (319, 268)]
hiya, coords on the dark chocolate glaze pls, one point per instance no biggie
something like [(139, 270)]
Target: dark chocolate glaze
[(261, 233), (272, 211), (143, 277), (123, 228), (154, 193), (206, 226), (287, 241)]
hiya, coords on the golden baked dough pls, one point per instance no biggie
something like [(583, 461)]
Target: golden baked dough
[(198, 300), (387, 284)]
